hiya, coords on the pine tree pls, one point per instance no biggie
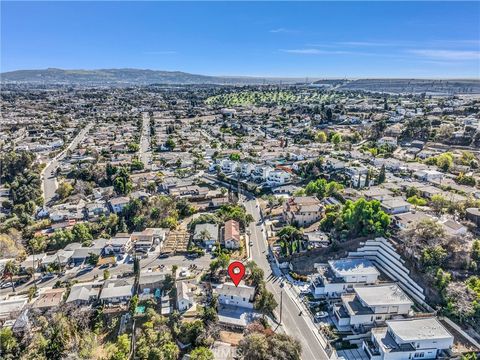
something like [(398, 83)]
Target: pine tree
[(382, 175)]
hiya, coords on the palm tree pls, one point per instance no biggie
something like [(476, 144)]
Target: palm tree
[(10, 269)]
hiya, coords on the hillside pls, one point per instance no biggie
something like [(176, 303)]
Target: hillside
[(123, 76)]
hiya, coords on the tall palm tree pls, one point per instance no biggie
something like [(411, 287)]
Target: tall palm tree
[(10, 269)]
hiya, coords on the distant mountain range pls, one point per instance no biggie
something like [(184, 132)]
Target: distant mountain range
[(125, 77)]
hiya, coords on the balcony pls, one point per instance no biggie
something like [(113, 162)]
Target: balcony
[(372, 351)]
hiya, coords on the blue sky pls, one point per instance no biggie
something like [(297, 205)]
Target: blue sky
[(316, 39)]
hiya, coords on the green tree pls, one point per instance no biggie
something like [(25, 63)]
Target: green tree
[(362, 218), (10, 270), (336, 139), (417, 201), (133, 147), (64, 189), (8, 343), (133, 304), (201, 353), (445, 161), (438, 203), (122, 183), (442, 278), (254, 347), (121, 349), (93, 259), (235, 157), (106, 274), (81, 233), (170, 143), (137, 165), (382, 175), (285, 347), (256, 273), (321, 137), (475, 254), (265, 301), (170, 351), (433, 256)]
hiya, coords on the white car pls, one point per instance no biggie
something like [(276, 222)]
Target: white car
[(321, 315), (6, 285)]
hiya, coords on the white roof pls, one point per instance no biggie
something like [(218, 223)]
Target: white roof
[(347, 267), (388, 294), (229, 289), (419, 329)]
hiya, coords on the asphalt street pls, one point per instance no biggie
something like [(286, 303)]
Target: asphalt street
[(293, 323), (49, 177)]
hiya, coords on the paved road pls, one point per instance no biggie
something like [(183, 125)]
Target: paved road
[(49, 177), (294, 324), (145, 154)]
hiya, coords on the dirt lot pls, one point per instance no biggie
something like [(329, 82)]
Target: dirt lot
[(303, 263), (229, 337)]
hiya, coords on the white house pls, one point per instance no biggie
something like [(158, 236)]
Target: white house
[(370, 305), (341, 275), (261, 172), (388, 140), (184, 296), (231, 295), (118, 203), (395, 205), (453, 227), (231, 234), (421, 338), (247, 169), (278, 177), (428, 175), (227, 166), (117, 291), (121, 243)]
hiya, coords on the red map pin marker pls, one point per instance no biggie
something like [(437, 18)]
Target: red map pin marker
[(236, 270)]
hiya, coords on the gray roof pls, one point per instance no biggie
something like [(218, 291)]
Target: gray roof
[(82, 292), (212, 229), (419, 329), (117, 291), (229, 289), (151, 277), (346, 267), (388, 294), (183, 291), (117, 288), (84, 252)]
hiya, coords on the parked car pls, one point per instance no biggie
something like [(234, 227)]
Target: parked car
[(320, 315), (6, 285), (47, 277)]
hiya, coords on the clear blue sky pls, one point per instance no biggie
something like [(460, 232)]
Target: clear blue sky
[(316, 39)]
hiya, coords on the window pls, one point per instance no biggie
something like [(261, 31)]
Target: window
[(231, 297), (419, 355), (378, 318), (243, 299)]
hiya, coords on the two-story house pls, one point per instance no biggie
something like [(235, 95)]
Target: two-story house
[(339, 276), (302, 210), (231, 234), (371, 305), (420, 338), (231, 295), (278, 177)]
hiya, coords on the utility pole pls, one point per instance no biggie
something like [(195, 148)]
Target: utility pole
[(281, 304)]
